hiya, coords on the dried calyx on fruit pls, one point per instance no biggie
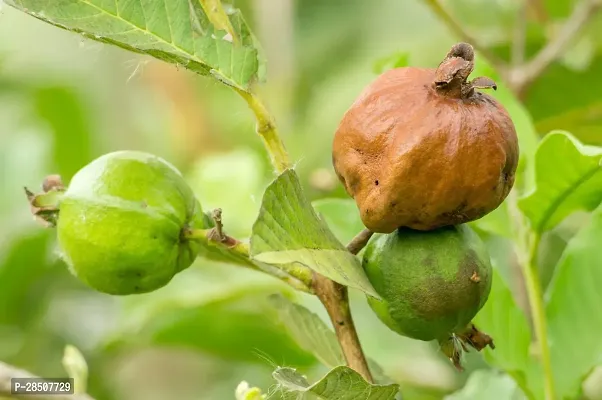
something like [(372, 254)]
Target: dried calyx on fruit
[(422, 148)]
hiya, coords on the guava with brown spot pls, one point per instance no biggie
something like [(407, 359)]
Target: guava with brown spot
[(120, 223), (432, 283), (422, 148)]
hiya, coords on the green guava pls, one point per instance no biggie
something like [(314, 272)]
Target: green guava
[(120, 223), (432, 282)]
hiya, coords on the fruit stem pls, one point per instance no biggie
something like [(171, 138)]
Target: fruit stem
[(299, 279), (266, 128), (359, 241), (536, 304), (335, 298)]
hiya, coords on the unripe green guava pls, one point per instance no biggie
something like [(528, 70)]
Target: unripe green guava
[(432, 282), (120, 223)]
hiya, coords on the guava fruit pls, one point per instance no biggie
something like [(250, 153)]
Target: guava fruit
[(421, 148), (432, 283), (120, 223)]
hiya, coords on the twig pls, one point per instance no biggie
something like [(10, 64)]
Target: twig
[(360, 241), (457, 29), (335, 298), (7, 372), (297, 277), (520, 78)]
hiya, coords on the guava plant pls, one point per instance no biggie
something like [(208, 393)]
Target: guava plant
[(429, 159)]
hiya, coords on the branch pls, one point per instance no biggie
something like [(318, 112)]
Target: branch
[(296, 278), (335, 298), (523, 76), (459, 31), (8, 371)]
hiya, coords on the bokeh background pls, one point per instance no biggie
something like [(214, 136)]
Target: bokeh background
[(65, 100)]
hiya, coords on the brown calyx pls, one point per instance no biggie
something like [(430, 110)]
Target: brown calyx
[(459, 343), (45, 206), (452, 74)]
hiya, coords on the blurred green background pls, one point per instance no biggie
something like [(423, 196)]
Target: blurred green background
[(65, 100)]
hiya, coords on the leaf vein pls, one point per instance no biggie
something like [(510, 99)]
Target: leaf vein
[(565, 194)]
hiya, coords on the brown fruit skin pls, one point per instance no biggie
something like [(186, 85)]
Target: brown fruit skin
[(412, 156)]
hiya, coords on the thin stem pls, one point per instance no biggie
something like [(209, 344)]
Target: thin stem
[(536, 304), (7, 372), (297, 277), (266, 128), (459, 31), (335, 298), (210, 236), (360, 241)]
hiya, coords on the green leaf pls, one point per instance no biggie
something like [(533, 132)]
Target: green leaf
[(218, 17), (341, 383), (175, 31), (568, 179), (578, 112), (24, 265), (288, 231), (487, 384), (574, 318), (342, 216), (506, 323), (309, 331), (229, 318), (313, 335)]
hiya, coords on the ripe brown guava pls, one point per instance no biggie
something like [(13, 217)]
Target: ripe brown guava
[(432, 283), (120, 223), (421, 148)]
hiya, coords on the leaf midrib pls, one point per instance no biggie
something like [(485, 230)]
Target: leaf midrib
[(144, 30), (556, 203)]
